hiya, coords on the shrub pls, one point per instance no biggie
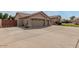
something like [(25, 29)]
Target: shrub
[(58, 23)]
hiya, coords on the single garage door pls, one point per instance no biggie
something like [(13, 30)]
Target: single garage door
[(37, 22)]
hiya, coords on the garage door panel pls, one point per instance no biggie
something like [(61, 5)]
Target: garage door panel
[(37, 23)]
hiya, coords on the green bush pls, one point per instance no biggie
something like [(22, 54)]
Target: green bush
[(5, 16)]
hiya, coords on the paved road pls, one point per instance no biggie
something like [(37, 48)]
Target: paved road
[(50, 37)]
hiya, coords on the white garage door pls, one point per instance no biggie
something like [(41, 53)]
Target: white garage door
[(37, 22)]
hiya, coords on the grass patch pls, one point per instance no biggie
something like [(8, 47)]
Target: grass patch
[(70, 25)]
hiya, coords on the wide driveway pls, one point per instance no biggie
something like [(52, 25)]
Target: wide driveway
[(49, 37)]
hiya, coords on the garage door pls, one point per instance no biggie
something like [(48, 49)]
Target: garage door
[(37, 22)]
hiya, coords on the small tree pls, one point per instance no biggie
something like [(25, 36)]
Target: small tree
[(72, 17), (66, 21), (13, 18), (1, 15), (5, 16), (10, 17)]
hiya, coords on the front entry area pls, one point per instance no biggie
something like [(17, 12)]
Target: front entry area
[(38, 22)]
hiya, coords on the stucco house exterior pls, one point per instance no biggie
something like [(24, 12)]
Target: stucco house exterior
[(55, 20), (76, 20), (38, 19)]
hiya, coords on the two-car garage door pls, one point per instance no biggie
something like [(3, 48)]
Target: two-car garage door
[(38, 22)]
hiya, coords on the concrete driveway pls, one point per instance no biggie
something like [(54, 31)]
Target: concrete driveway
[(50, 37)]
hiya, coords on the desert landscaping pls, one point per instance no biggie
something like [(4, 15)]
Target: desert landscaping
[(48, 37)]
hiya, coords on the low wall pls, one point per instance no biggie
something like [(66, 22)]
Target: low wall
[(9, 23)]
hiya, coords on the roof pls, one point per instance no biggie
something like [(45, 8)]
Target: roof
[(41, 12), (53, 16), (20, 14)]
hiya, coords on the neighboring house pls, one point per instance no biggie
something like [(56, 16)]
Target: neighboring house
[(38, 19), (76, 20), (55, 20)]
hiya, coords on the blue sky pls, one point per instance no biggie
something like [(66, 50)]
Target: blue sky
[(64, 14)]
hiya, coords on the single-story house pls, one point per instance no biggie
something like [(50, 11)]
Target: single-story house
[(55, 20), (38, 19), (76, 21)]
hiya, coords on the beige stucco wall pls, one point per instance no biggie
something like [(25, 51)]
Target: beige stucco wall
[(19, 22), (0, 22), (27, 22), (53, 21)]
